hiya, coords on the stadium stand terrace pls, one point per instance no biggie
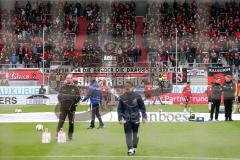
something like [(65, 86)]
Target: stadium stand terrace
[(78, 32)]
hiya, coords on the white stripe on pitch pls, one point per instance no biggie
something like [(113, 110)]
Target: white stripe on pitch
[(135, 157)]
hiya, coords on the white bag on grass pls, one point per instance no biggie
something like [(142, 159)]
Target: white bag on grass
[(46, 136), (61, 136)]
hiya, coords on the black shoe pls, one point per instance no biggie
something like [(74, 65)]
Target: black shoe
[(100, 127), (230, 120), (70, 136), (90, 127)]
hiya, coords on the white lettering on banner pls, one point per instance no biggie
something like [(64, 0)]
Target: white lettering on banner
[(179, 77), (194, 88), (18, 90), (173, 99), (177, 98), (18, 76), (109, 58), (197, 72), (115, 81), (219, 69), (200, 99), (174, 69)]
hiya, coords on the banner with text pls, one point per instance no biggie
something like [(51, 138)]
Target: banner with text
[(220, 72), (20, 90), (24, 74), (125, 70), (28, 99), (194, 88), (175, 98)]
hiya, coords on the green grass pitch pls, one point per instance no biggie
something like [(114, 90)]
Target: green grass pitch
[(150, 108), (163, 140), (183, 140)]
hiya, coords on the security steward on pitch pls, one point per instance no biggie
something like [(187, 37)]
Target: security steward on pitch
[(129, 106), (216, 98), (228, 89), (68, 97)]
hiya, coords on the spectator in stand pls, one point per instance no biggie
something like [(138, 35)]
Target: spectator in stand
[(29, 22), (13, 59), (92, 13), (196, 24), (190, 57), (58, 80), (191, 23)]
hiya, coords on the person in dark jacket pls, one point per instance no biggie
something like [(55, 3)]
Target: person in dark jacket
[(95, 95), (216, 98), (68, 97), (228, 89), (129, 106), (42, 90)]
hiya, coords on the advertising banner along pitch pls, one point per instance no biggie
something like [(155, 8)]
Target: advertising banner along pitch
[(221, 72)]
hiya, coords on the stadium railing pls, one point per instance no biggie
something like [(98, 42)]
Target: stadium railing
[(59, 63)]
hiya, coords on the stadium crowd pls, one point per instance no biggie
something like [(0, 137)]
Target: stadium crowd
[(208, 32), (21, 40), (110, 33)]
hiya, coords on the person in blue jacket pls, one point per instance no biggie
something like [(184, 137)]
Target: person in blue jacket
[(95, 96), (129, 107)]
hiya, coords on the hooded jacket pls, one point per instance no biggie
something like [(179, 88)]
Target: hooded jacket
[(129, 106), (95, 94)]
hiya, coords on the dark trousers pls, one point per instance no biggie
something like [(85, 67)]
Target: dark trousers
[(228, 108), (215, 107), (131, 132), (95, 112), (62, 117)]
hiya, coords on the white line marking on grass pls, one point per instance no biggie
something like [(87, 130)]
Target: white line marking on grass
[(135, 157)]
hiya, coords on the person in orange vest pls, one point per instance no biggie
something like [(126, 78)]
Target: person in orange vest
[(187, 94)]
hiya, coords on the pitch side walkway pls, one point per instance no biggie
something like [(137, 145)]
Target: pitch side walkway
[(107, 117)]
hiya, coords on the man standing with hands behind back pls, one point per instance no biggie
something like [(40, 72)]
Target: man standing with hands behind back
[(228, 89), (129, 106), (216, 98)]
